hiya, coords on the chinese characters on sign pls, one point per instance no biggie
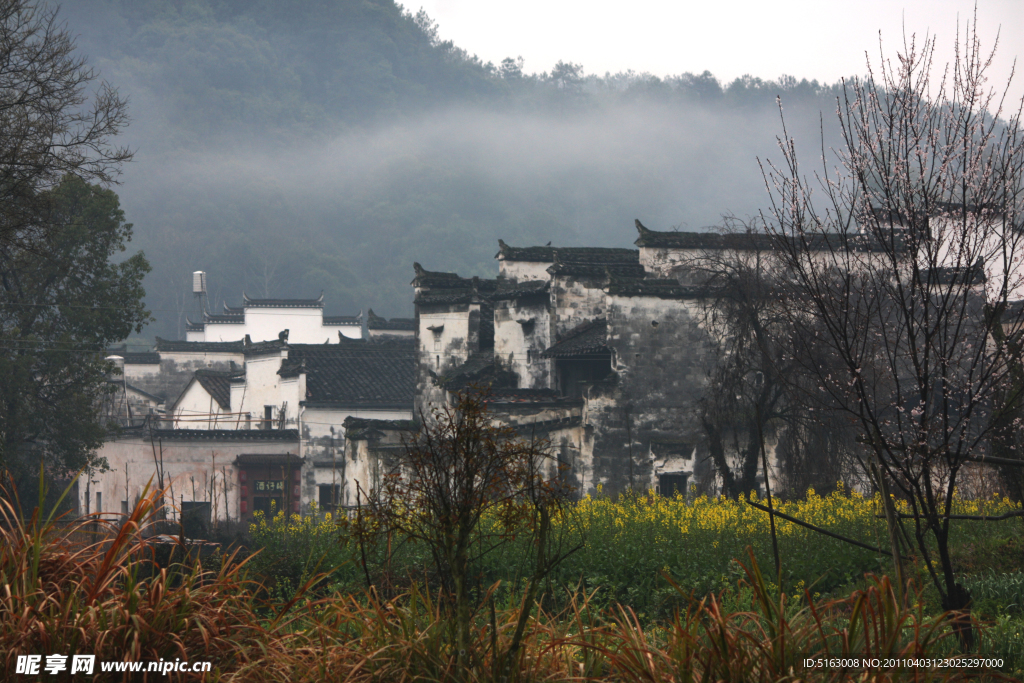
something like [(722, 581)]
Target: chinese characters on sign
[(267, 485)]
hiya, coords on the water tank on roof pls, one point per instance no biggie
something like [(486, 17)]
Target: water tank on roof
[(199, 282)]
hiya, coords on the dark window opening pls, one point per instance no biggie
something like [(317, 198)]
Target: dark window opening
[(671, 483), (575, 374), (327, 502), (268, 417), (195, 518)]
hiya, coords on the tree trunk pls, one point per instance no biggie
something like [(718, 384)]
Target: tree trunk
[(748, 475), (717, 448), (957, 598), (460, 575), (540, 570)]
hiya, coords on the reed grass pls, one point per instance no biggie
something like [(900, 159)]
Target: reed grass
[(60, 594)]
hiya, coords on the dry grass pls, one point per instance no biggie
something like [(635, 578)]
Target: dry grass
[(62, 596), (59, 595)]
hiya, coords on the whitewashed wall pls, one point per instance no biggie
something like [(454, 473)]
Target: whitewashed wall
[(197, 409), (206, 464)]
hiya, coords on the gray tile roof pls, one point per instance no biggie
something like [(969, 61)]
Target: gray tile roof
[(754, 241), (357, 374), (516, 290), (119, 384), (343, 320), (225, 434), (173, 346), (588, 338), (702, 240), (289, 460), (248, 302), (634, 270), (375, 322), (141, 358), (218, 385), (361, 428), (252, 348), (477, 368), (566, 254), (430, 278)]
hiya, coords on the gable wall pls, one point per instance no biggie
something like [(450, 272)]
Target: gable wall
[(524, 271), (520, 352), (658, 379), (576, 301), (264, 387), (304, 325), (197, 409), (444, 352)]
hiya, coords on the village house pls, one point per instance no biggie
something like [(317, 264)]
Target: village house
[(232, 427), (603, 353), (263, 320), (600, 351)]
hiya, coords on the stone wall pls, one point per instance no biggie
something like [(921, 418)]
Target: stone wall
[(659, 353), (576, 300), (523, 330)]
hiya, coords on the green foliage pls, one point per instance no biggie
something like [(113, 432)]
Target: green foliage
[(63, 301), (997, 593), (1004, 638), (294, 548), (633, 544)]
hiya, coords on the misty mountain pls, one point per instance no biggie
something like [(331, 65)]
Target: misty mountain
[(289, 146)]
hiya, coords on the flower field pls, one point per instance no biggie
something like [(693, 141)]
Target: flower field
[(630, 544)]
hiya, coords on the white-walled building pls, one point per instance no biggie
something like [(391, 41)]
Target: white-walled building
[(263, 320), (268, 428)]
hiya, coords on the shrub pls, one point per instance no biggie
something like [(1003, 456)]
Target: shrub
[(293, 548)]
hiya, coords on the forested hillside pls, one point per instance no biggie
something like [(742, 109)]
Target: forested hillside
[(289, 146)]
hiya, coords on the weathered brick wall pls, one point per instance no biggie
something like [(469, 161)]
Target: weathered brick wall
[(518, 344), (659, 356), (576, 300), (443, 352), (174, 376)]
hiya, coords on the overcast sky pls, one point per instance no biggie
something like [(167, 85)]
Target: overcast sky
[(815, 39)]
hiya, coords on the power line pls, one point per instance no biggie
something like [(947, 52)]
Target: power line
[(348, 352), (171, 310)]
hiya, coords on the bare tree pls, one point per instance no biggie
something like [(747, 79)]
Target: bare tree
[(902, 255), (745, 395), (262, 269), (55, 119), (457, 471), (755, 389)]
